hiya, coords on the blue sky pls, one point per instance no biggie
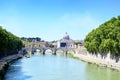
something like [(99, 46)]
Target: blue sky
[(50, 19)]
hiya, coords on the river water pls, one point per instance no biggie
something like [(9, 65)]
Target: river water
[(50, 67)]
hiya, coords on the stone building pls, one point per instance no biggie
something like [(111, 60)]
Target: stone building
[(65, 42)]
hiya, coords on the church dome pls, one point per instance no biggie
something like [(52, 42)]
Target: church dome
[(66, 37)]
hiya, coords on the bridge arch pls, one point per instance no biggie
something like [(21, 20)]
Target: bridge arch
[(53, 50), (60, 49), (49, 50)]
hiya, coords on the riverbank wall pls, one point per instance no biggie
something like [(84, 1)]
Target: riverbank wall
[(102, 60), (5, 62)]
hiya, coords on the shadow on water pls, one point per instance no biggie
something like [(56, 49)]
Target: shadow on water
[(15, 72)]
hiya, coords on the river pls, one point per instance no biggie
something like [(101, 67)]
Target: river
[(59, 67)]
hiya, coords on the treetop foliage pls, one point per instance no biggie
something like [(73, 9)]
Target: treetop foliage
[(105, 38), (9, 41)]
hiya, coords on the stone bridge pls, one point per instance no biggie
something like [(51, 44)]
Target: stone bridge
[(54, 50)]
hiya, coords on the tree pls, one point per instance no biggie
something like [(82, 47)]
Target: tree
[(76, 43), (105, 38), (8, 42)]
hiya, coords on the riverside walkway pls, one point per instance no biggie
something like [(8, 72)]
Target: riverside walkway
[(4, 61)]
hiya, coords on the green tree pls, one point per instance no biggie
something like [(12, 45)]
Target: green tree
[(105, 38), (8, 42)]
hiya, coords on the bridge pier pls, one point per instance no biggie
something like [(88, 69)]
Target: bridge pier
[(65, 53), (43, 52), (54, 52)]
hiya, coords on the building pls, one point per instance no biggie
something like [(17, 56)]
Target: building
[(65, 42)]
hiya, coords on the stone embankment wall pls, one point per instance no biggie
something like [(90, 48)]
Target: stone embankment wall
[(102, 60), (4, 63)]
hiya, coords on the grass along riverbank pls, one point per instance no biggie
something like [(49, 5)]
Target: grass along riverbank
[(72, 55)]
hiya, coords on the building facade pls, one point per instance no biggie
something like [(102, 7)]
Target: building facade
[(65, 42)]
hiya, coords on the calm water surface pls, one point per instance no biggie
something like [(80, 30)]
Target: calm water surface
[(50, 67)]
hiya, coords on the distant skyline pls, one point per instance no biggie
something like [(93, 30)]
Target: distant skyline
[(50, 19)]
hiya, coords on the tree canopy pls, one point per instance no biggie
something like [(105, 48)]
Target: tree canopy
[(8, 42), (105, 38), (31, 39)]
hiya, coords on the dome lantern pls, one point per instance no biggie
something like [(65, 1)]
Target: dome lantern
[(66, 37)]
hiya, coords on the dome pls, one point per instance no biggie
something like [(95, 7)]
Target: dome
[(66, 37)]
